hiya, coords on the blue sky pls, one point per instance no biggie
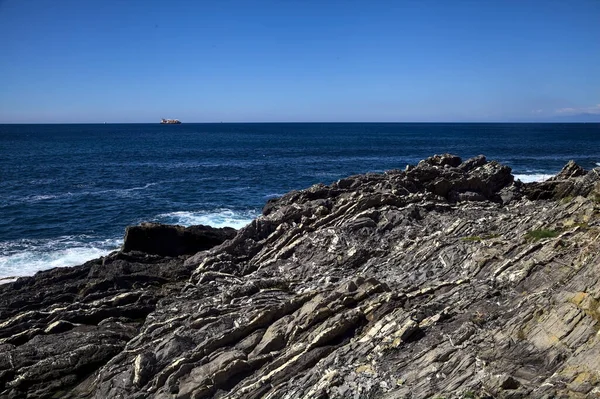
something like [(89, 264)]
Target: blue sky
[(290, 60)]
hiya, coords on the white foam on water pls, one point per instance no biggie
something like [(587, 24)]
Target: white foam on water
[(530, 178), (118, 191), (36, 198), (215, 218), (121, 192), (597, 163), (26, 257)]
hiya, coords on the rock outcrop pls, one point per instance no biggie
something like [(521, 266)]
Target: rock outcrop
[(571, 181), (168, 240), (447, 279), (62, 324)]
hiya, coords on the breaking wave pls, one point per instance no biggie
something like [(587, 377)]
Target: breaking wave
[(217, 218), (530, 178), (26, 257)]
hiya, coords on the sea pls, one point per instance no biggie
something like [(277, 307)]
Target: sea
[(67, 192)]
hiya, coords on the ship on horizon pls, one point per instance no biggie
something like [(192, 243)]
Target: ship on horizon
[(170, 122)]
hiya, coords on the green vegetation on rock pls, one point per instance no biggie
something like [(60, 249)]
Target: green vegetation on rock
[(480, 238), (535, 235)]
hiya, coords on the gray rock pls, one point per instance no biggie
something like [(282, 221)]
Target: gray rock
[(447, 279)]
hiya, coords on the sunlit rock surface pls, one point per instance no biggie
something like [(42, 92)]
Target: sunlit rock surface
[(446, 279)]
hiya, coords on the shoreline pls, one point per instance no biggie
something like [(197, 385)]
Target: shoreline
[(35, 257), (536, 177), (143, 174), (372, 279)]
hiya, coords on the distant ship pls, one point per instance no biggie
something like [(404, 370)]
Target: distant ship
[(170, 121)]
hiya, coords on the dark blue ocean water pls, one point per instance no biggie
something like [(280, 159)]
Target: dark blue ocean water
[(68, 191)]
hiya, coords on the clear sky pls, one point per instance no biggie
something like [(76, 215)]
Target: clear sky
[(291, 60)]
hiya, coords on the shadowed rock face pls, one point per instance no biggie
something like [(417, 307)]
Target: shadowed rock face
[(167, 240), (61, 325), (446, 279)]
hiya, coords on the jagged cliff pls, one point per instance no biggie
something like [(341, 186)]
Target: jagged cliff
[(447, 279)]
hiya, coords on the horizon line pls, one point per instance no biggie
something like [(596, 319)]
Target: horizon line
[(299, 122)]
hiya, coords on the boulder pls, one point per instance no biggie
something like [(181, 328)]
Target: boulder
[(473, 163), (169, 240), (442, 160), (571, 169), (570, 182), (448, 177)]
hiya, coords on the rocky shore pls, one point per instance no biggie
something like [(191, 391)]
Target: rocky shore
[(444, 280)]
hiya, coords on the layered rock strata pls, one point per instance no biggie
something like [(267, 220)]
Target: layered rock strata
[(446, 279)]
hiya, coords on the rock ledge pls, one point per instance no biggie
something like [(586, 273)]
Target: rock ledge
[(446, 279)]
